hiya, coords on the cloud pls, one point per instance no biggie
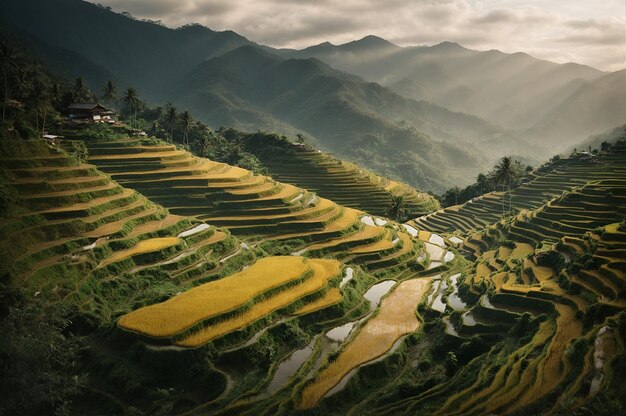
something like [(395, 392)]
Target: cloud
[(559, 30)]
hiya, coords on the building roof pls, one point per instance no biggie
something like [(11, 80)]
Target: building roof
[(85, 106)]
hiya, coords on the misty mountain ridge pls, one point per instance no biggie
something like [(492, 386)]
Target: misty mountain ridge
[(517, 91), (415, 128)]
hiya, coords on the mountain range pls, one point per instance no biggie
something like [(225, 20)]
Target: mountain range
[(542, 99), (431, 116)]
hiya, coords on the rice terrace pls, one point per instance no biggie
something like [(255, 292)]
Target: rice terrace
[(275, 212)]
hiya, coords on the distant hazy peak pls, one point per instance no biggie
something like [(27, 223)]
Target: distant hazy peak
[(369, 42), (449, 45)]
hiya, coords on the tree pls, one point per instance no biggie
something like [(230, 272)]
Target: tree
[(81, 92), (56, 94), (130, 97), (39, 101), (300, 138), (451, 363), (604, 146), (483, 183), (40, 360), (397, 209), (185, 124), (109, 92), (170, 117), (505, 173), (8, 59)]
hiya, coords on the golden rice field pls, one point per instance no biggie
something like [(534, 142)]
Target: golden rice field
[(551, 371), (323, 271), (541, 273), (146, 246), (365, 233), (331, 297), (214, 298), (90, 204), (384, 244), (140, 155), (521, 250), (396, 317), (516, 386), (115, 226)]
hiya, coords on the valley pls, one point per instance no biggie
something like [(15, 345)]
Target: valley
[(193, 223)]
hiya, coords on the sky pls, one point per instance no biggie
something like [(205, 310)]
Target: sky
[(591, 32)]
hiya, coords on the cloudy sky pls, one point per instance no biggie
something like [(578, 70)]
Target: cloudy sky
[(591, 32)]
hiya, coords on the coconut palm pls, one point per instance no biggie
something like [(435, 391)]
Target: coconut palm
[(109, 92), (505, 173), (171, 117), (397, 209), (130, 97), (185, 124)]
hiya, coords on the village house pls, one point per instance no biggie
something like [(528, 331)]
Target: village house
[(90, 113)]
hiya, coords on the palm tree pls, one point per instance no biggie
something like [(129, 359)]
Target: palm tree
[(8, 59), (185, 123), (170, 118), (109, 92), (397, 209), (504, 173), (130, 97)]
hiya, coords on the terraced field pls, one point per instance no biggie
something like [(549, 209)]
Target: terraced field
[(343, 182), (549, 270), (75, 218), (254, 207), (544, 369), (360, 315), (547, 183)]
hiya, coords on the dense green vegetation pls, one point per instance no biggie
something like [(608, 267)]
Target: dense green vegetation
[(157, 266), (359, 121)]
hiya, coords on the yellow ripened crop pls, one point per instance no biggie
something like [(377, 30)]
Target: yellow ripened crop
[(396, 318), (214, 298), (366, 233), (145, 246), (323, 270), (332, 297)]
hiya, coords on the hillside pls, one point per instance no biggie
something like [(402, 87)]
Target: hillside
[(117, 45), (225, 80), (152, 265), (345, 183), (361, 122), (147, 285), (565, 102)]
